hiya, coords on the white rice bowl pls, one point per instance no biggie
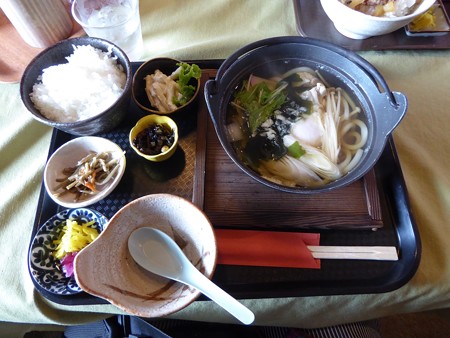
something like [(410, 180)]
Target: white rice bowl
[(88, 84)]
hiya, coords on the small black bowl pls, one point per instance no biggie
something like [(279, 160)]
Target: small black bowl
[(57, 54), (166, 66)]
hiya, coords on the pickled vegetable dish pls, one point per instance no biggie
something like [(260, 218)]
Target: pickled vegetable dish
[(72, 239)]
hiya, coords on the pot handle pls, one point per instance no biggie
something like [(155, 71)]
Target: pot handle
[(394, 113), (375, 76), (212, 100)]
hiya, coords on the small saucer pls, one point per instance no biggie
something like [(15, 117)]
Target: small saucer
[(42, 263)]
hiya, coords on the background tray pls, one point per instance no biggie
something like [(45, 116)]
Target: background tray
[(314, 23), (201, 171)]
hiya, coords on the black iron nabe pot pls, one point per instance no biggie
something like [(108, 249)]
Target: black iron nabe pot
[(383, 109)]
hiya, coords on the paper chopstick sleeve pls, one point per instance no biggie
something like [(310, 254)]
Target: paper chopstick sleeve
[(266, 248)]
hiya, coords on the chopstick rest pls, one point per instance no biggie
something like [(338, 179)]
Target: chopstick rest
[(385, 253)]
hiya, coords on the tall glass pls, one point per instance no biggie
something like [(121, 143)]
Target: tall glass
[(117, 21)]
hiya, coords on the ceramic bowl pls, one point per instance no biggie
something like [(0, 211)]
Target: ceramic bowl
[(166, 66), (42, 264), (357, 25), (67, 156), (106, 269), (55, 55), (148, 121)]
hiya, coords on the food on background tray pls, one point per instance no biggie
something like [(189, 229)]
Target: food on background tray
[(168, 92), (295, 130), (383, 8), (95, 169), (435, 20), (73, 238), (155, 139), (426, 20), (88, 84)]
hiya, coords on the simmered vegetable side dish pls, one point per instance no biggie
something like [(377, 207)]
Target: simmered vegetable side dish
[(95, 169), (387, 8), (168, 92), (295, 130)]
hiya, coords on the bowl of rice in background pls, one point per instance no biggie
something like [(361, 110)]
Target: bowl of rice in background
[(81, 86), (361, 19)]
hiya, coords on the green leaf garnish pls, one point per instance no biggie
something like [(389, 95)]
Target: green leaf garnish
[(187, 72), (259, 102)]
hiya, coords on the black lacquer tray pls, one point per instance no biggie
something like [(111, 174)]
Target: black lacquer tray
[(186, 175)]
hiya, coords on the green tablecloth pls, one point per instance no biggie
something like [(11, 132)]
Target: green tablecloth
[(214, 29)]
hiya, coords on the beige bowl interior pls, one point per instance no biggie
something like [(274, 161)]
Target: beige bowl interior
[(106, 269)]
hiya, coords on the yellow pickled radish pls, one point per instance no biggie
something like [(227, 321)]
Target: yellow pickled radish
[(424, 21), (74, 237)]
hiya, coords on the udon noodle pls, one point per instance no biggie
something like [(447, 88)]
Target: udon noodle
[(295, 129)]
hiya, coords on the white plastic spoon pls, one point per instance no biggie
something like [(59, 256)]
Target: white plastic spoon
[(158, 253)]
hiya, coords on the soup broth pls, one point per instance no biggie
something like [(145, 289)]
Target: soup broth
[(294, 129)]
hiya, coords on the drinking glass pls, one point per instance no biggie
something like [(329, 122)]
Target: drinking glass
[(117, 21)]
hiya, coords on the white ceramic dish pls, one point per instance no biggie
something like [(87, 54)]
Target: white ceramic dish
[(106, 269), (357, 25), (67, 156)]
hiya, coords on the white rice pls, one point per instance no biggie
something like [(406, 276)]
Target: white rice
[(87, 85)]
